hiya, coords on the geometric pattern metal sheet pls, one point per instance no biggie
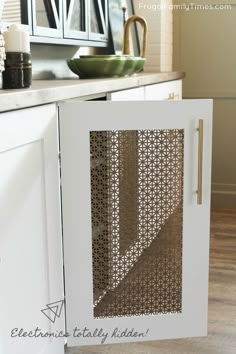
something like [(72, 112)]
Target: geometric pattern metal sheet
[(137, 221)]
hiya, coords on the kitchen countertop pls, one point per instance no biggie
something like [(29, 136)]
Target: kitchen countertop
[(47, 91)]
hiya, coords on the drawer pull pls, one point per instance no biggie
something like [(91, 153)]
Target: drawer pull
[(171, 96)]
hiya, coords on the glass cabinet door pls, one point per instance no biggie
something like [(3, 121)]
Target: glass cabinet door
[(98, 20), (75, 19), (16, 11), (136, 233), (47, 18)]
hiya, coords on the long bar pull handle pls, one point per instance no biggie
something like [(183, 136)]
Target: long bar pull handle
[(200, 161)]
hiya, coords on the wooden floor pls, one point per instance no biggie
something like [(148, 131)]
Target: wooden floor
[(222, 302)]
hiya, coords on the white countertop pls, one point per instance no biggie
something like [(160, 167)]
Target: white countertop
[(42, 92)]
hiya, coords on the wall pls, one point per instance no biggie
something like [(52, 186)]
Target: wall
[(49, 61), (204, 47)]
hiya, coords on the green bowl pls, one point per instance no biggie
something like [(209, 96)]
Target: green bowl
[(101, 66)]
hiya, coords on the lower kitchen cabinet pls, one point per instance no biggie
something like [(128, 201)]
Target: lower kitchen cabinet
[(134, 191), (30, 237), (135, 94), (136, 212), (170, 90)]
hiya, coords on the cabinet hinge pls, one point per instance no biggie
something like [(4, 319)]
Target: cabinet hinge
[(59, 158)]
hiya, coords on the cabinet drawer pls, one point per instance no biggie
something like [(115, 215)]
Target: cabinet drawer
[(171, 90), (136, 94)]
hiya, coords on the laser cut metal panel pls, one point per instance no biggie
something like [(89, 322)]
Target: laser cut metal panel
[(137, 208)]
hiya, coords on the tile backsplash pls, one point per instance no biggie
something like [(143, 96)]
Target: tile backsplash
[(159, 17)]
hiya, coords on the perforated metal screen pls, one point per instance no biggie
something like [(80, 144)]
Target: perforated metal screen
[(137, 211)]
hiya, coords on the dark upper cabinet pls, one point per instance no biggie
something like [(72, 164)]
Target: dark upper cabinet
[(76, 22)]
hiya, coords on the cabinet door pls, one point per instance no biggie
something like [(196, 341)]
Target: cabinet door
[(47, 18), (30, 232), (98, 20), (136, 232), (75, 19), (171, 90)]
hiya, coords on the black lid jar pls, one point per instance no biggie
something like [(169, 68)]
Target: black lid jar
[(18, 71)]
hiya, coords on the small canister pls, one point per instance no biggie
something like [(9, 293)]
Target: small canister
[(18, 64)]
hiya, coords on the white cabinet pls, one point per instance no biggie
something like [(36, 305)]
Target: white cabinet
[(136, 232), (135, 94), (135, 183), (30, 237), (170, 90)]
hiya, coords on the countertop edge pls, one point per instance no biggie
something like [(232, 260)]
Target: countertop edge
[(43, 92)]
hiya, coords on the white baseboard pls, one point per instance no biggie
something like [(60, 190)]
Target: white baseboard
[(223, 195)]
